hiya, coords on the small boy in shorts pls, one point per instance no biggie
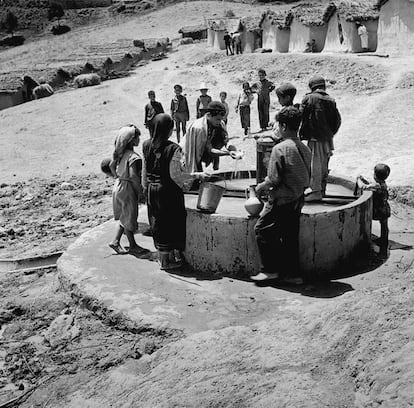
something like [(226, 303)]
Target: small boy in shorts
[(381, 207)]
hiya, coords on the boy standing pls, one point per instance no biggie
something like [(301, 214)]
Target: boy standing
[(228, 43), (320, 122), (202, 101), (179, 111), (277, 230), (263, 89), (152, 109), (223, 97)]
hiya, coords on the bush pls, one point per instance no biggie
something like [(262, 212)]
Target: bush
[(229, 13), (10, 23), (60, 29), (187, 40), (12, 41), (55, 11), (87, 80)]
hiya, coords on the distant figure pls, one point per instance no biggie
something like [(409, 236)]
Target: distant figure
[(43, 90), (308, 47), (263, 89), (126, 167), (320, 122), (243, 107), (179, 111), (228, 43), (381, 207), (363, 35), (311, 46), (223, 97), (152, 108), (237, 43), (277, 229), (202, 101), (28, 85)]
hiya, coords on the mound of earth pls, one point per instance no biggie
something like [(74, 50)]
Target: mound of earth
[(407, 81), (45, 215), (340, 73)]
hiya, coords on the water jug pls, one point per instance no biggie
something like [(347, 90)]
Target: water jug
[(252, 205)]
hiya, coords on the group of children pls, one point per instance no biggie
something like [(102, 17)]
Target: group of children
[(179, 109), (126, 166)]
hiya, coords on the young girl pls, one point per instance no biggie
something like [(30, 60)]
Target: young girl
[(243, 106), (381, 207), (126, 167)]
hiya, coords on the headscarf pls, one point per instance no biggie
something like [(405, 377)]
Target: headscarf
[(125, 136), (162, 127)]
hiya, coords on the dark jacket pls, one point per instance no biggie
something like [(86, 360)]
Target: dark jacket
[(320, 117)]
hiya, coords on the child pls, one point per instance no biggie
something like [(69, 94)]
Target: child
[(202, 101), (126, 167), (243, 106), (263, 89), (381, 207), (223, 97), (285, 93), (179, 111), (152, 109)]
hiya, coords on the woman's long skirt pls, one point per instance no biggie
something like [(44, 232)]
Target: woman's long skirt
[(167, 216)]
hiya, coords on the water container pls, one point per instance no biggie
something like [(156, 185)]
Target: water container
[(209, 196)]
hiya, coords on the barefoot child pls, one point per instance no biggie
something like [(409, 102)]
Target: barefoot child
[(152, 109), (126, 167), (179, 111), (243, 106), (223, 97), (381, 207)]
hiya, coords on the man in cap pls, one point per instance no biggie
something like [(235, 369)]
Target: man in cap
[(202, 101), (320, 122), (206, 139)]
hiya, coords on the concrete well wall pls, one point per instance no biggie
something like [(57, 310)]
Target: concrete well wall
[(328, 239)]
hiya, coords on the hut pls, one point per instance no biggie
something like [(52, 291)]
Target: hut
[(309, 24), (396, 26), (276, 30), (216, 29), (342, 32), (12, 92), (251, 33), (196, 32)]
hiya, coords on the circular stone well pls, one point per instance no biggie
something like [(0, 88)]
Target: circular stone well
[(331, 231)]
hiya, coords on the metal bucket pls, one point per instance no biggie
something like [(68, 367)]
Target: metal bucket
[(209, 196)]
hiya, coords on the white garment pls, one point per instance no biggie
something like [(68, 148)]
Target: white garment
[(363, 35)]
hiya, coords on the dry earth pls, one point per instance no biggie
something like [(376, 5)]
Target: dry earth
[(355, 350)]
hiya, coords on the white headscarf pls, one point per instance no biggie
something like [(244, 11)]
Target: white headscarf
[(125, 135)]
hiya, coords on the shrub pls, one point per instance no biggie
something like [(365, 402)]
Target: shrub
[(10, 22), (12, 41), (55, 11), (187, 40), (87, 80), (229, 13), (60, 29)]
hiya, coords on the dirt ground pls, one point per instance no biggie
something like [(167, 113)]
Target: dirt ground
[(353, 350)]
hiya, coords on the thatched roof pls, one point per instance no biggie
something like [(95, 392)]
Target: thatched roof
[(313, 14), (251, 23), (282, 19), (359, 10), (192, 29), (380, 3), (230, 24)]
